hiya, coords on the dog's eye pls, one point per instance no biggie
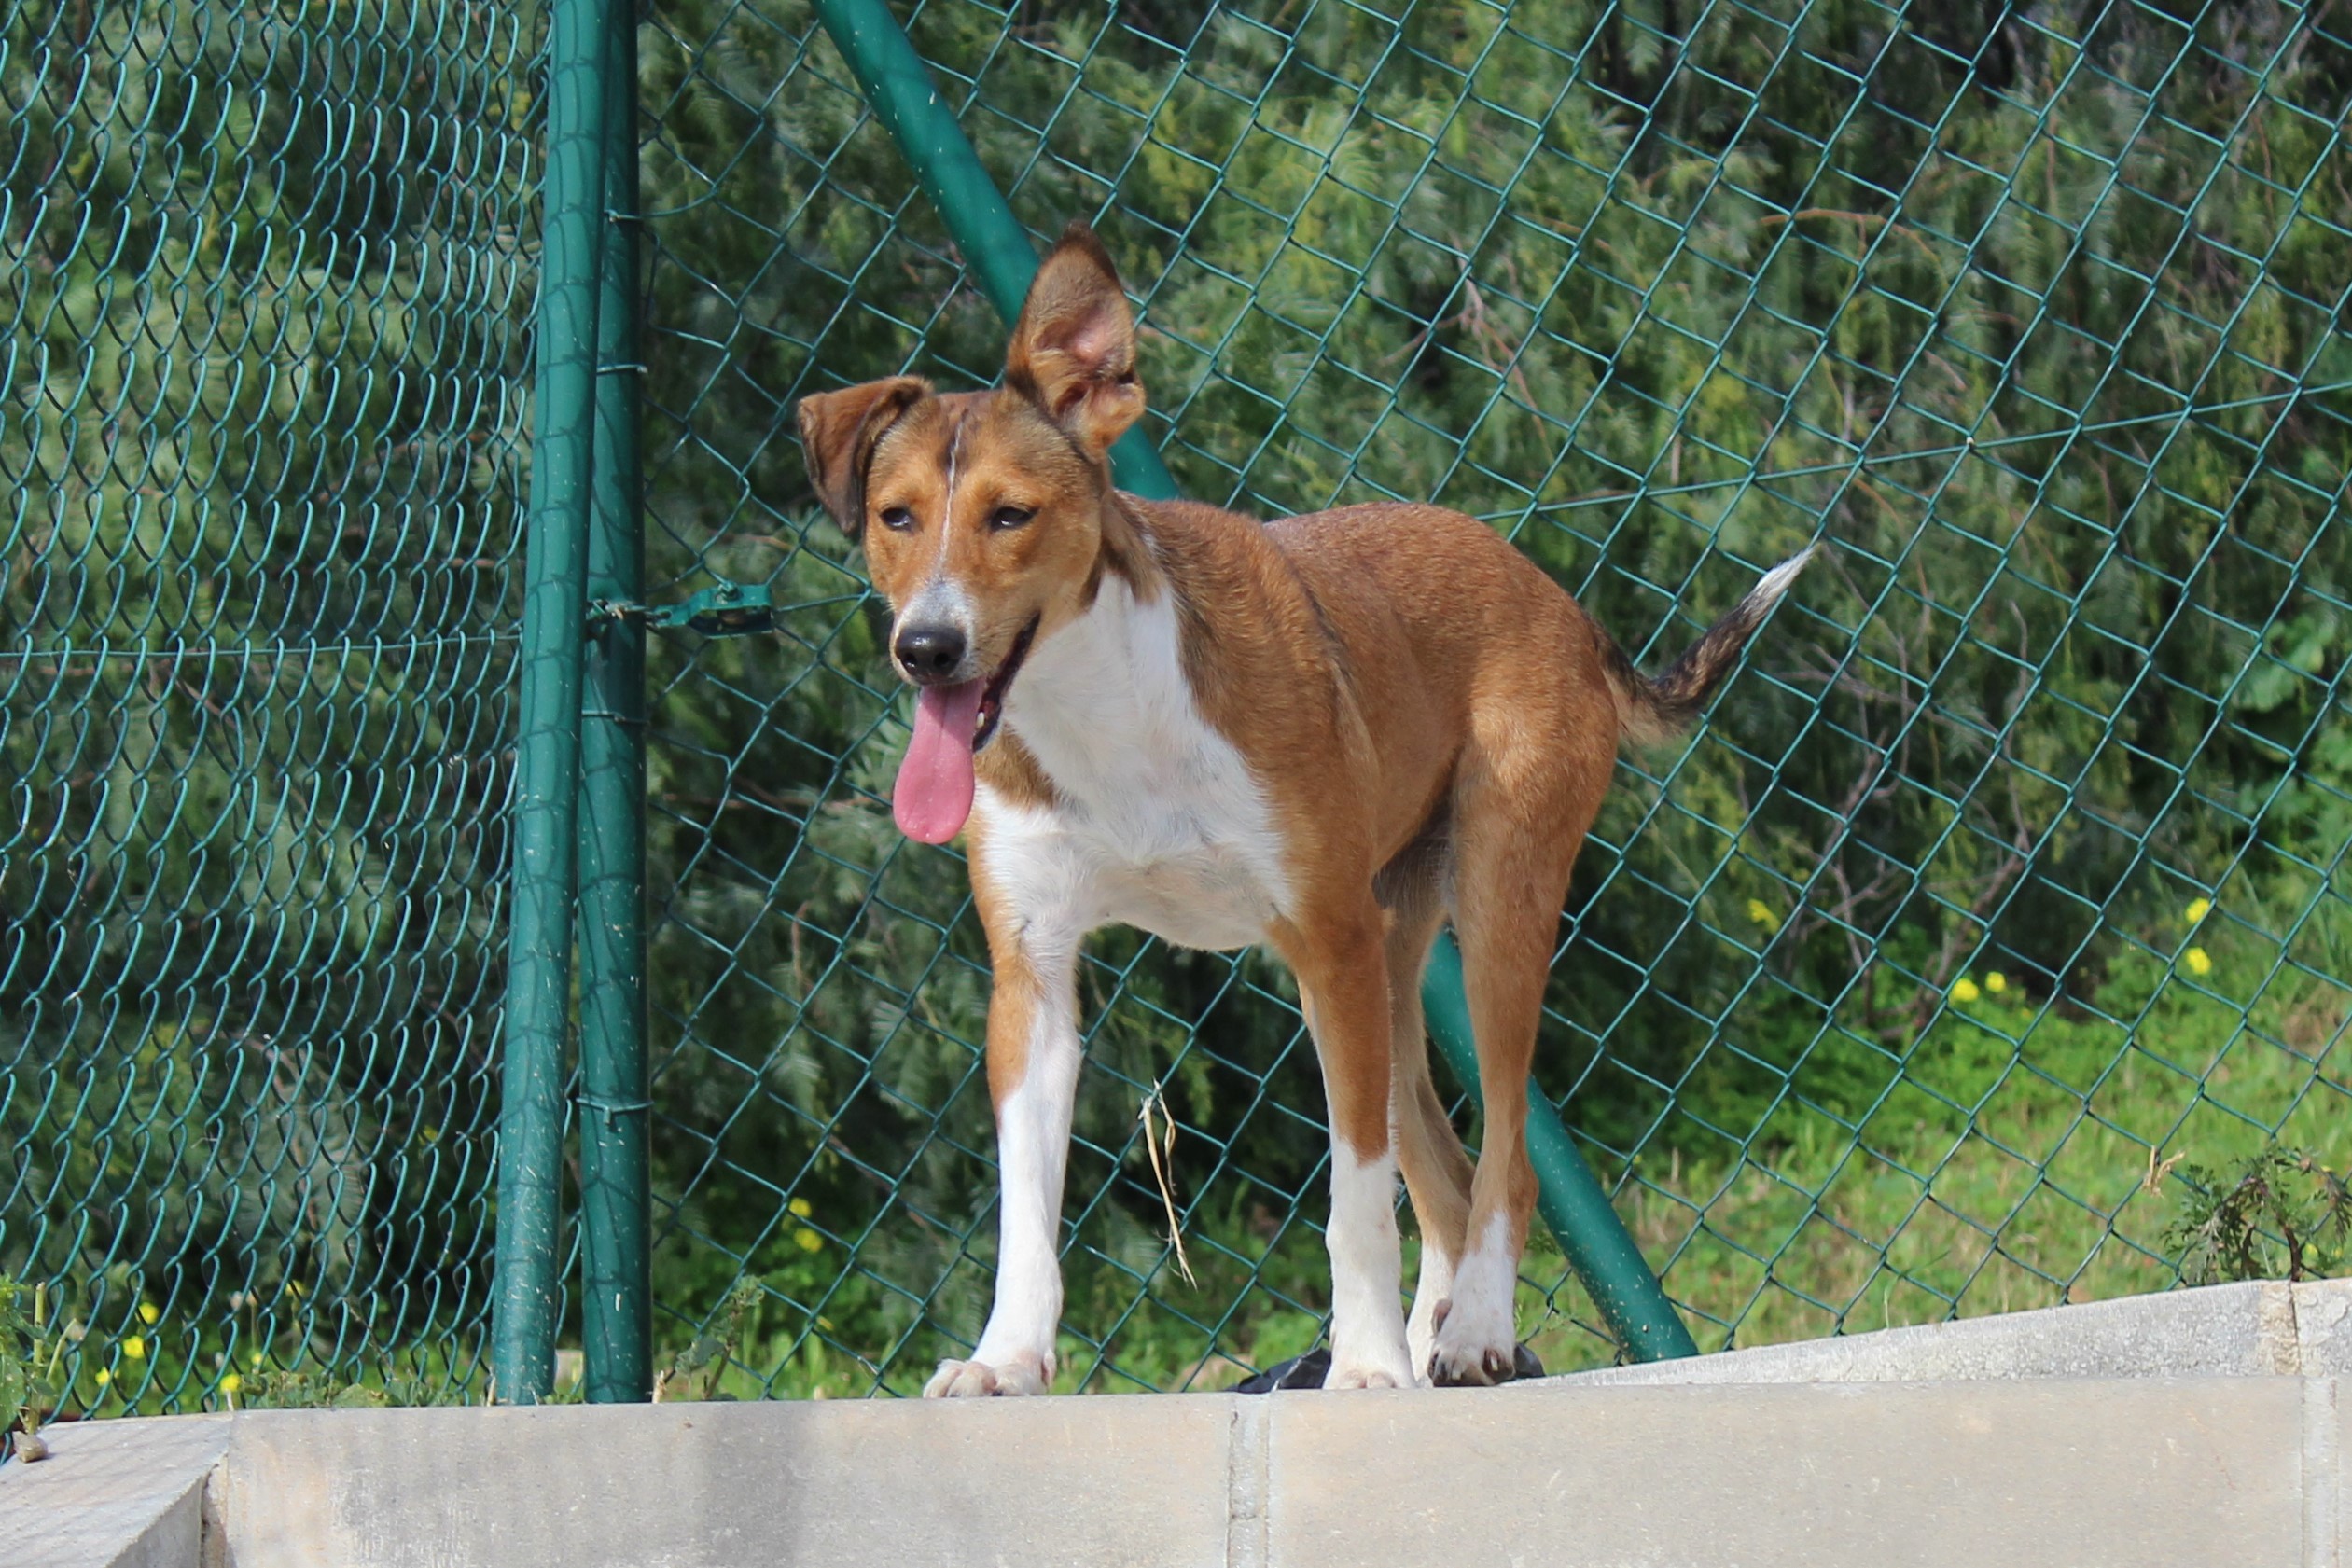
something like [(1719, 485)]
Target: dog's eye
[(1010, 517), (897, 519)]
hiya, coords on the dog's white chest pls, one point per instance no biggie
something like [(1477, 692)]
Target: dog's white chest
[(1160, 824)]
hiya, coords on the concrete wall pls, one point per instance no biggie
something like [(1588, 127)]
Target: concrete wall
[(2215, 1472), (2111, 1470)]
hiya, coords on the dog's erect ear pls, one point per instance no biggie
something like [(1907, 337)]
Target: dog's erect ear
[(839, 433), (1073, 351)]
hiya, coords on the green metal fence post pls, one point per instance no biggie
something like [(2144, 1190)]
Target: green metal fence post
[(547, 781), (899, 89), (616, 1288), (1597, 1245)]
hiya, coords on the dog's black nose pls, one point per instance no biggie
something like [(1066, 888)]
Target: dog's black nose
[(930, 654)]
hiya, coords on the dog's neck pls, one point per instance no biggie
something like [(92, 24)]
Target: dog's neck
[(1111, 675), (1125, 551), (1105, 709)]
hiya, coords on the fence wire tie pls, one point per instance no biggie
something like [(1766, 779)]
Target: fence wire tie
[(607, 1107), (1160, 1174)]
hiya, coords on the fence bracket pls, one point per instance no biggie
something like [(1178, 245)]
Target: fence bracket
[(728, 610)]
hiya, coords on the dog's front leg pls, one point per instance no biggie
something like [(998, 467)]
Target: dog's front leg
[(1033, 1063), (1343, 980)]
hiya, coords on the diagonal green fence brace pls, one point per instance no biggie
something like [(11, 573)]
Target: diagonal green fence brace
[(899, 89)]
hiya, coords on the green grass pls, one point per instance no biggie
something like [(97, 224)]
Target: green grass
[(2020, 1154), (2021, 1157)]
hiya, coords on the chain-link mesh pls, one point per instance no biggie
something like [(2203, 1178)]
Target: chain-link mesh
[(2006, 875), (2007, 872), (265, 290)]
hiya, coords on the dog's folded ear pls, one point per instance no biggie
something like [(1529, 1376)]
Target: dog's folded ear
[(1073, 352), (839, 433)]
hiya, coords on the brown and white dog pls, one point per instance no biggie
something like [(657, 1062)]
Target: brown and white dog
[(1329, 734)]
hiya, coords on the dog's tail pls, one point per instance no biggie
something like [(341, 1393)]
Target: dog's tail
[(1650, 712)]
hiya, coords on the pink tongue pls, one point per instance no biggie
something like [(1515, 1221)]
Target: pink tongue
[(934, 794)]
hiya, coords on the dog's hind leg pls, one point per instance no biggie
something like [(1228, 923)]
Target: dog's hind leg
[(1437, 1169), (1511, 877)]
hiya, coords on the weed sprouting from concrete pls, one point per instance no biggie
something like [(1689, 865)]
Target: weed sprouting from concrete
[(2279, 1213)]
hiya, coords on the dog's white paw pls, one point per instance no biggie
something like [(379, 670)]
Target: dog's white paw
[(1364, 1377), (1367, 1366), (978, 1380), (1472, 1366), (1473, 1353)]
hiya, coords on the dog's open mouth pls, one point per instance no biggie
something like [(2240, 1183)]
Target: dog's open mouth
[(992, 696), (952, 722)]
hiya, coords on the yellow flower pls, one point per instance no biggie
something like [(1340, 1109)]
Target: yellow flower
[(1761, 913), (253, 1361), (810, 1241), (104, 1376), (149, 1311), (230, 1382), (1965, 991), (2199, 962), (2198, 909), (1996, 982), (134, 1349), (800, 1206)]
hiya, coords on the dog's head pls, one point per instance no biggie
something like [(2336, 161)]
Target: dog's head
[(983, 513)]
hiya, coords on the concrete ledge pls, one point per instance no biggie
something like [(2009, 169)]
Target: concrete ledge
[(2233, 1330), (2202, 1472), (2323, 1328), (2244, 1471), (1088, 1482), (112, 1494), (1997, 1461)]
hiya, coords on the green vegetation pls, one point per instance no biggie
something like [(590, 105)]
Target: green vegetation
[(2024, 336), (2227, 1222), (2008, 873), (29, 1359), (261, 430)]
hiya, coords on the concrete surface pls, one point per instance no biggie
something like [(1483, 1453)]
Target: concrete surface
[(2243, 1472), (2323, 1328), (2240, 1465), (1087, 1482), (2231, 1330), (111, 1495), (2210, 1472)]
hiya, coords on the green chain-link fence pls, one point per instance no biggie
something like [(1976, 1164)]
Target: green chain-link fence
[(2007, 873), (2003, 876), (265, 283)]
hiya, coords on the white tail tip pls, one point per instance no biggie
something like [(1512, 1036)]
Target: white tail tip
[(1777, 581)]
